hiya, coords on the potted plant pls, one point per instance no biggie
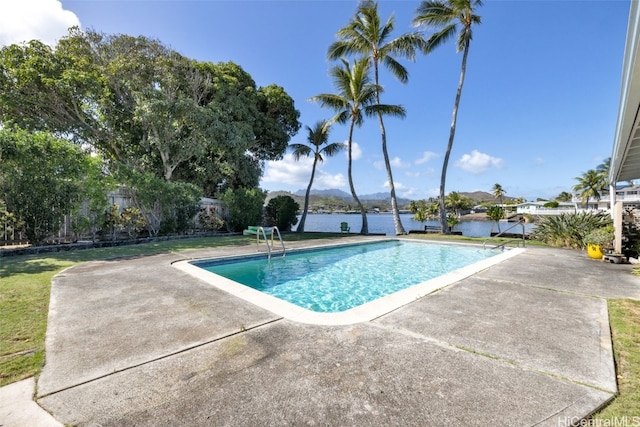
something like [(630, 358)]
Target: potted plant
[(598, 240)]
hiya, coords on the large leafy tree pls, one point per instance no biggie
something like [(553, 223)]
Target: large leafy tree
[(319, 147), (355, 99), (147, 107), (590, 185), (367, 36), (448, 18), (42, 179)]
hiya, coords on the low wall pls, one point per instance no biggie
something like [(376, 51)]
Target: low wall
[(65, 247)]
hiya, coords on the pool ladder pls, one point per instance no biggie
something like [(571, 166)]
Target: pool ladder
[(503, 244), (272, 230)]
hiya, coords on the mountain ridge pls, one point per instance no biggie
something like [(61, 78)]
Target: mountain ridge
[(477, 196)]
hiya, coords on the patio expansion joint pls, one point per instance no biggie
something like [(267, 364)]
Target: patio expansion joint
[(243, 329), (502, 360), (543, 288)]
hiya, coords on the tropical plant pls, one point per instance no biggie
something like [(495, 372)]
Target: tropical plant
[(457, 202), (564, 196), (602, 236), (319, 148), (366, 36), (604, 167), (132, 221), (590, 185), (452, 220), (281, 211), (495, 213), (112, 221), (569, 230), (356, 98), (209, 220), (446, 17), (422, 210), (498, 192)]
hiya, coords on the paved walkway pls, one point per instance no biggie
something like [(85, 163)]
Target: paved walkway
[(138, 342)]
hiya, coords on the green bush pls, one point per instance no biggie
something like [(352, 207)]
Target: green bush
[(245, 207), (569, 230), (281, 211)]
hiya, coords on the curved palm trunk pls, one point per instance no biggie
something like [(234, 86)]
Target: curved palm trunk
[(303, 218), (392, 190), (452, 133), (365, 224), (397, 223)]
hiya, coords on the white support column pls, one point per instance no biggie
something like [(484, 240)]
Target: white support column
[(612, 198), (617, 224)]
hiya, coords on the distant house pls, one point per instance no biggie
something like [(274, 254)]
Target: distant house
[(537, 208), (629, 195)]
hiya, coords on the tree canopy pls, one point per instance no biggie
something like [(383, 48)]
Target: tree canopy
[(143, 105)]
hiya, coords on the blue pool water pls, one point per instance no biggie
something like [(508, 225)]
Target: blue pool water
[(336, 279)]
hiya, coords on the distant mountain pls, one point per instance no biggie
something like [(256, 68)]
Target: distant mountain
[(483, 196), (375, 196), (325, 193), (382, 196), (477, 196)]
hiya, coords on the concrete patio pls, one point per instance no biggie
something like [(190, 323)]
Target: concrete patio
[(138, 342)]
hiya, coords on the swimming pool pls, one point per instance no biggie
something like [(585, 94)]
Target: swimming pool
[(347, 283)]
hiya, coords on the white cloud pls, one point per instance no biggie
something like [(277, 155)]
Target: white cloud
[(478, 162), (538, 161), (25, 20), (398, 186), (395, 163), (356, 151), (426, 156), (290, 172)]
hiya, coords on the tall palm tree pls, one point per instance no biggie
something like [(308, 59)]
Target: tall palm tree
[(366, 36), (457, 202), (564, 196), (446, 16), (318, 139), (589, 185), (356, 98), (498, 193)]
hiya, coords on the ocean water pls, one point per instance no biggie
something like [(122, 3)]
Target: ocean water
[(383, 224)]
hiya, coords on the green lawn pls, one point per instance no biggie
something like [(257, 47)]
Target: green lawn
[(25, 283), (624, 317)]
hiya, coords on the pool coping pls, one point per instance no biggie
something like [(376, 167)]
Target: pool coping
[(362, 313)]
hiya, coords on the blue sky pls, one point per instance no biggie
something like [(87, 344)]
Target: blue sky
[(538, 108)]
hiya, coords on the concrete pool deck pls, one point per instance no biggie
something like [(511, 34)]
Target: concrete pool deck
[(138, 342)]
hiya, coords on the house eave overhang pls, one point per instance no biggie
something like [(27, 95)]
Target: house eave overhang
[(625, 158)]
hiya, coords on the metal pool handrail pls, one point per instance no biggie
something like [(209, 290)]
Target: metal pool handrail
[(266, 241), (502, 245)]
